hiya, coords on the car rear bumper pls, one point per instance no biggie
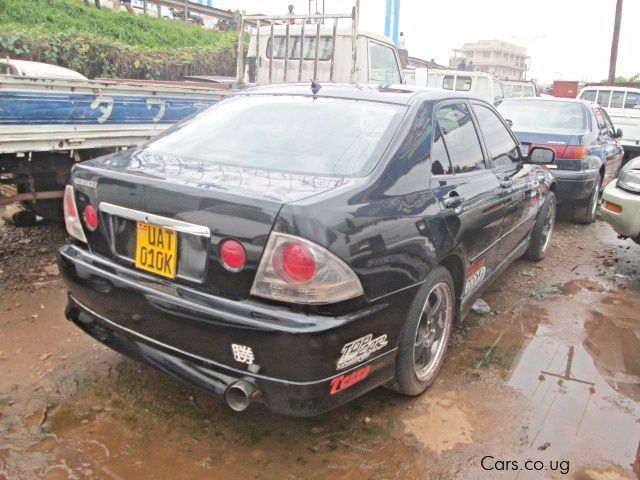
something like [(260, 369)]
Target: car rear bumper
[(575, 185), (189, 335), (627, 222)]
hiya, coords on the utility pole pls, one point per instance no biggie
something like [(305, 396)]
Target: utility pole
[(392, 19), (614, 43)]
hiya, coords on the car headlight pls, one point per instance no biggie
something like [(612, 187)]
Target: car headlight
[(630, 180)]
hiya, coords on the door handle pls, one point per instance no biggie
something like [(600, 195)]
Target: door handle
[(453, 201)]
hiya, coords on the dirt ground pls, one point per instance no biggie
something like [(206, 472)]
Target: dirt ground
[(552, 375)]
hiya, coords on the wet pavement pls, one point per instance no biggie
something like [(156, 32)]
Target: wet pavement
[(551, 376)]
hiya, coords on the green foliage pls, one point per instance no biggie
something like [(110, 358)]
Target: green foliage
[(102, 43), (634, 79)]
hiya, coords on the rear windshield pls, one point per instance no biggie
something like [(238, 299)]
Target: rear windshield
[(322, 136), (544, 115)]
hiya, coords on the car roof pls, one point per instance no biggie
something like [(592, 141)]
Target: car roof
[(548, 99), (42, 70), (398, 94)]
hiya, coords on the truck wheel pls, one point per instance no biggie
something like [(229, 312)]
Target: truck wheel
[(425, 335), (542, 230), (585, 212)]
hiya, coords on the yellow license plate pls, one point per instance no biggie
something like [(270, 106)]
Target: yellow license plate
[(156, 249)]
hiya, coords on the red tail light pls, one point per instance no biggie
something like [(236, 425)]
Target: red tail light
[(90, 218), (296, 270), (575, 152), (232, 255), (294, 262)]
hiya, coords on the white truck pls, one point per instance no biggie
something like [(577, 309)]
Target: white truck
[(623, 106), (322, 48), (479, 84), (329, 48)]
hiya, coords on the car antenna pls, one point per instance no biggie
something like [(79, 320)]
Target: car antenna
[(315, 87)]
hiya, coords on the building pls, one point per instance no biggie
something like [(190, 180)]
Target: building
[(498, 58)]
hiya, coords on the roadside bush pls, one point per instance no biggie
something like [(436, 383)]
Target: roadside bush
[(101, 43)]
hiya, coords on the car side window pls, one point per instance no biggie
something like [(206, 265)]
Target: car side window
[(440, 164), (498, 91), (632, 100), (460, 138), (502, 147), (617, 100), (603, 98), (384, 67), (589, 95), (608, 123), (600, 119)]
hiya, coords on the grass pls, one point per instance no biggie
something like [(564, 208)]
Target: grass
[(103, 43), (44, 18)]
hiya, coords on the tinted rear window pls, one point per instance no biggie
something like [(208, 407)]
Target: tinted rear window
[(544, 116), (286, 133)]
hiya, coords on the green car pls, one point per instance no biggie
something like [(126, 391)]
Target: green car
[(621, 202)]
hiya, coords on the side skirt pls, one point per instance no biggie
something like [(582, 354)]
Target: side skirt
[(467, 302)]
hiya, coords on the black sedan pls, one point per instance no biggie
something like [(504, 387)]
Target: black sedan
[(301, 248), (587, 148)]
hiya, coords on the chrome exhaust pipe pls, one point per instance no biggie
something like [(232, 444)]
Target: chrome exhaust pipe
[(240, 394)]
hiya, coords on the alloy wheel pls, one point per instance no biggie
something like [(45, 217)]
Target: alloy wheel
[(433, 329)]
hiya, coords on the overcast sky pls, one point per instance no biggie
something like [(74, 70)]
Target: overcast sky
[(566, 39)]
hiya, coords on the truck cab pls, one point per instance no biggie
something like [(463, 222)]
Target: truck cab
[(623, 106), (376, 58), (307, 48), (479, 84)]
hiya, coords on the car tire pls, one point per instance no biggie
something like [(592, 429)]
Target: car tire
[(542, 229), (425, 335), (585, 212)]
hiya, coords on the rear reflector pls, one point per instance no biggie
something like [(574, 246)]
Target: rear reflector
[(232, 255), (612, 207), (71, 217), (90, 218)]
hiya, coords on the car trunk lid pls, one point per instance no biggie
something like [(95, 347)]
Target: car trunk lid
[(204, 204), (556, 141)]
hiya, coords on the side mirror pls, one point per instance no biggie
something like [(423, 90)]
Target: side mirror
[(618, 133), (541, 155)]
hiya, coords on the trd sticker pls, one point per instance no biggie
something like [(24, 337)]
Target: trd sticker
[(242, 354), (477, 271), (360, 349), (534, 197), (345, 381)]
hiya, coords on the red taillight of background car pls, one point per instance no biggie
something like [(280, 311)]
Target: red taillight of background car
[(90, 217), (575, 152), (567, 152), (233, 255), (294, 262)]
